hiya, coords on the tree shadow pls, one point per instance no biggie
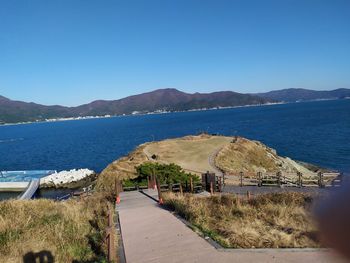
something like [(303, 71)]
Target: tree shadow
[(40, 257)]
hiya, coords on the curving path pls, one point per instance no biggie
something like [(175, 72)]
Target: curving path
[(211, 160)]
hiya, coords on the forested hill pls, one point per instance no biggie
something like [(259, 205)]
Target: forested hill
[(158, 100)]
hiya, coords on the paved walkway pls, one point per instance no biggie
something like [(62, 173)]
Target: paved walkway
[(152, 234)]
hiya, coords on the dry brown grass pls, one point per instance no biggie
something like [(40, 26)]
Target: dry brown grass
[(190, 152), (123, 168), (71, 230), (253, 156), (279, 220)]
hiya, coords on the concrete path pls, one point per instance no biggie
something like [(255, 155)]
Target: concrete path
[(152, 234)]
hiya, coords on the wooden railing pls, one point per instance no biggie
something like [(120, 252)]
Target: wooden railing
[(320, 179), (189, 186), (175, 187), (110, 236)]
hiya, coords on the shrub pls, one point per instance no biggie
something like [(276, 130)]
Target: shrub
[(166, 173)]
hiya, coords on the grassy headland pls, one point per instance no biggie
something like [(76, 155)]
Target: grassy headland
[(230, 154), (75, 230)]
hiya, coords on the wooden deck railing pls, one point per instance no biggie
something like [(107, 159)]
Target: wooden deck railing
[(189, 186), (110, 236), (320, 179)]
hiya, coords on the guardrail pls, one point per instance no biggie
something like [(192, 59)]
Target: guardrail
[(322, 180), (175, 187), (110, 236), (210, 182)]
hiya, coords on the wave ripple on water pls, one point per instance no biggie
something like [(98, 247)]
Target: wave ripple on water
[(11, 140)]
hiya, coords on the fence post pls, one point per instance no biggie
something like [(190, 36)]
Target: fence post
[(211, 188), (279, 179), (320, 180), (154, 182), (148, 182), (160, 198), (241, 176), (154, 179), (191, 184), (170, 187), (111, 237), (259, 179), (220, 185), (300, 182), (181, 190)]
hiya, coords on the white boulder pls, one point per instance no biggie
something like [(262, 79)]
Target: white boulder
[(65, 177)]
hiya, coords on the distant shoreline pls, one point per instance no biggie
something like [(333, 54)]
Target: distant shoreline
[(138, 114), (161, 112)]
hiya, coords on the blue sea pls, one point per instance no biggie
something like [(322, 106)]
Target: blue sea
[(317, 132)]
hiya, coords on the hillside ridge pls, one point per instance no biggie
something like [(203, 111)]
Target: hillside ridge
[(168, 100)]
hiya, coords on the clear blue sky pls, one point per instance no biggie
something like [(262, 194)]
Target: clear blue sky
[(71, 52)]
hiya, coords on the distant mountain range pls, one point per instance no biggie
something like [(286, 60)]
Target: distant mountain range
[(158, 100), (293, 95)]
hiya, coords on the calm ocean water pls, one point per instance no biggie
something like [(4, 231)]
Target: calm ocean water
[(315, 132)]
